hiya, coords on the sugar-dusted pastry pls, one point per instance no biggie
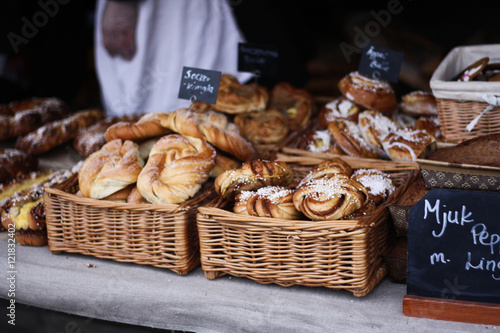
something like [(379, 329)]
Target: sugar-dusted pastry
[(378, 183), (419, 103), (320, 141), (341, 107), (268, 201), (348, 136), (374, 127), (406, 144)]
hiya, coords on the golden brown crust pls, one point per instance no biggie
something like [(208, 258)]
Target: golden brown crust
[(251, 176), (348, 136), (374, 127), (370, 93), (223, 163), (320, 141), (330, 198), (234, 97), (295, 104), (135, 197), (14, 163), (378, 184), (115, 166), (176, 169), (328, 168), (148, 126), (430, 124), (341, 107), (263, 127), (182, 121), (269, 201), (229, 141), (419, 103), (121, 195), (57, 132)]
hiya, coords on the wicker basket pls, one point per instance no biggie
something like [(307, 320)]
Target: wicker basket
[(343, 254), (163, 236), (460, 102)]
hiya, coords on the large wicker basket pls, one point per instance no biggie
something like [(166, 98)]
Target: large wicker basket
[(342, 254), (460, 102), (164, 236)]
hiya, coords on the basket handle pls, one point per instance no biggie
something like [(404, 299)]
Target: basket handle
[(493, 102)]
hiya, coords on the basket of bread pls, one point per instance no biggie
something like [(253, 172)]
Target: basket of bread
[(313, 222), (466, 87), (366, 121), (136, 197)]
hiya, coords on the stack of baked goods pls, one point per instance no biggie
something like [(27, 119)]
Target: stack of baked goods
[(163, 158), (262, 117), (367, 122), (332, 190)]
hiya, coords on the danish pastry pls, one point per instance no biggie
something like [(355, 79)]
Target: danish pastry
[(115, 166), (268, 201), (348, 136), (374, 127), (370, 93), (295, 104), (326, 169), (253, 175), (330, 198), (341, 107), (320, 141), (406, 144), (176, 169), (262, 127), (419, 103)]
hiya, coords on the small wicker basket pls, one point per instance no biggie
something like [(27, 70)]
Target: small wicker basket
[(163, 236), (342, 254), (459, 103)]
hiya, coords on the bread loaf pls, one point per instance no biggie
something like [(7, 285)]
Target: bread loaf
[(57, 132)]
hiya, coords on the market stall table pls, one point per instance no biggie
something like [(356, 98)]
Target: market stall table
[(155, 297)]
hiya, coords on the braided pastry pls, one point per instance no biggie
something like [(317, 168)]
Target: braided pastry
[(251, 176), (229, 141), (147, 126), (182, 121), (268, 201), (330, 198), (115, 166), (176, 169), (262, 127), (57, 132)]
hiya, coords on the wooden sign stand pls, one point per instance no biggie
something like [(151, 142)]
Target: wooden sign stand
[(451, 310)]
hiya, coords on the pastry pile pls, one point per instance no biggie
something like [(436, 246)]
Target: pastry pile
[(163, 158), (367, 122), (330, 191)]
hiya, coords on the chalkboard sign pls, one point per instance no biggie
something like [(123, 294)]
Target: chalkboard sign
[(199, 85), (454, 246), (380, 63), (258, 58)]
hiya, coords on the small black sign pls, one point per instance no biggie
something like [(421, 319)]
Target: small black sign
[(258, 58), (454, 246), (380, 63), (199, 85)]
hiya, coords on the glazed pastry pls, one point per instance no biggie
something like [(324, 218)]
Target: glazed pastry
[(370, 93), (348, 136), (406, 144), (374, 127), (378, 184), (176, 168), (262, 127), (268, 201), (330, 198), (419, 103), (430, 124), (341, 107), (295, 104), (253, 175), (57, 132), (115, 166)]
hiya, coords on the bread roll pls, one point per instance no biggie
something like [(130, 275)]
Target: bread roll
[(148, 126), (263, 127), (295, 104), (115, 166)]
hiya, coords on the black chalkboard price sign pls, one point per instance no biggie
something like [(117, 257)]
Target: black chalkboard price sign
[(199, 85), (260, 58), (454, 246), (380, 63)]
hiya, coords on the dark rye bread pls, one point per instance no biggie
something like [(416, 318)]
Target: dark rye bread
[(482, 150)]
